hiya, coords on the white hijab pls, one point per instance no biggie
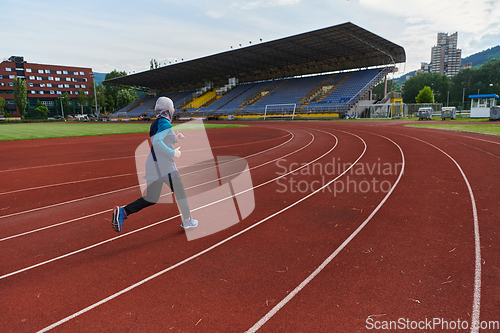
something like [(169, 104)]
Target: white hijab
[(164, 108)]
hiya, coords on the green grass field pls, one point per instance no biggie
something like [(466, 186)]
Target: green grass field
[(26, 131), (493, 128)]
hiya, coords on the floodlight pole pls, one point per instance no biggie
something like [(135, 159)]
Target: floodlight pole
[(92, 75), (463, 99), (62, 109)]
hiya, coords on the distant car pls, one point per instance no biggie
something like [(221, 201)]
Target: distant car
[(69, 116), (58, 117), (83, 117), (425, 113)]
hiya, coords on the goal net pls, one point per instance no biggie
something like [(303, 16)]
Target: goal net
[(387, 111), (280, 110)]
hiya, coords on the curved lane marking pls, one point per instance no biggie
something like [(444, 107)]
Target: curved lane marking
[(156, 223), (128, 188), (476, 305), (109, 298), (123, 157), (109, 210), (304, 283)]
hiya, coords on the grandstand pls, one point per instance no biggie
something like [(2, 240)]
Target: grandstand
[(146, 104), (324, 71)]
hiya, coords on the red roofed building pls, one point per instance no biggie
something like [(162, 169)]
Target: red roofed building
[(45, 83)]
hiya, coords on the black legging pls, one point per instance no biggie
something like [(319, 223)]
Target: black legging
[(153, 192)]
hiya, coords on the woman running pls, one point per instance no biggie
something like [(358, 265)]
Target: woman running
[(160, 169)]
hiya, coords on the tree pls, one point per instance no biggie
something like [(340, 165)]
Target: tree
[(66, 102), (101, 97), (2, 106), (110, 102), (20, 95), (154, 64), (41, 110), (425, 96), (378, 90), (485, 79), (82, 99), (125, 97), (439, 84), (111, 90)]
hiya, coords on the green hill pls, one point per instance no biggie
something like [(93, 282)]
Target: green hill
[(477, 59), (480, 58), (99, 77)]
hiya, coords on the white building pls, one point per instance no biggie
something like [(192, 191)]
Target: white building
[(446, 58)]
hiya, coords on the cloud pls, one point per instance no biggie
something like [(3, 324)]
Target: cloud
[(100, 35), (263, 4), (475, 21), (215, 14), (413, 20)]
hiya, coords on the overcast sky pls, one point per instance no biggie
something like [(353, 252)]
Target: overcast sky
[(126, 35)]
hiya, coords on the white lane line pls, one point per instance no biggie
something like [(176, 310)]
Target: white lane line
[(160, 222), (62, 321), (68, 202), (476, 305), (471, 137), (245, 157), (304, 283), (85, 180), (127, 188), (188, 188), (55, 225), (68, 183), (476, 148), (69, 163), (124, 157), (460, 133)]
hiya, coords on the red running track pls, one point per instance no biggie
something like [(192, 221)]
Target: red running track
[(394, 239)]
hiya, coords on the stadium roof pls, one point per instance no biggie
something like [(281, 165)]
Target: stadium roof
[(341, 47)]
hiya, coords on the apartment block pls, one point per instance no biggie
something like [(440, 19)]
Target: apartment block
[(446, 58), (45, 83)]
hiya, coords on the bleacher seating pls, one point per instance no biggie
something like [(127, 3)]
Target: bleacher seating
[(145, 103), (331, 92), (349, 90)]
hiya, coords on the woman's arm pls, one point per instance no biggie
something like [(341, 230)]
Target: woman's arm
[(164, 129)]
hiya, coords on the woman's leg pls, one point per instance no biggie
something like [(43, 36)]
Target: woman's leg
[(175, 183), (153, 192)]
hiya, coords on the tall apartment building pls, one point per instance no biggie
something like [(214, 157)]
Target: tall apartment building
[(45, 83), (446, 58)]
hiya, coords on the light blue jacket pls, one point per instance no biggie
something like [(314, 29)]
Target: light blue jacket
[(160, 161)]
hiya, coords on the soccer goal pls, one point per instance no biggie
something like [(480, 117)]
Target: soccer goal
[(387, 111), (280, 110)]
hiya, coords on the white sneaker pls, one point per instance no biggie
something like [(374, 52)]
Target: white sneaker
[(189, 223)]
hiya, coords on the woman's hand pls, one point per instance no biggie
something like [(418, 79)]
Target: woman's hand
[(180, 136), (177, 152)]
